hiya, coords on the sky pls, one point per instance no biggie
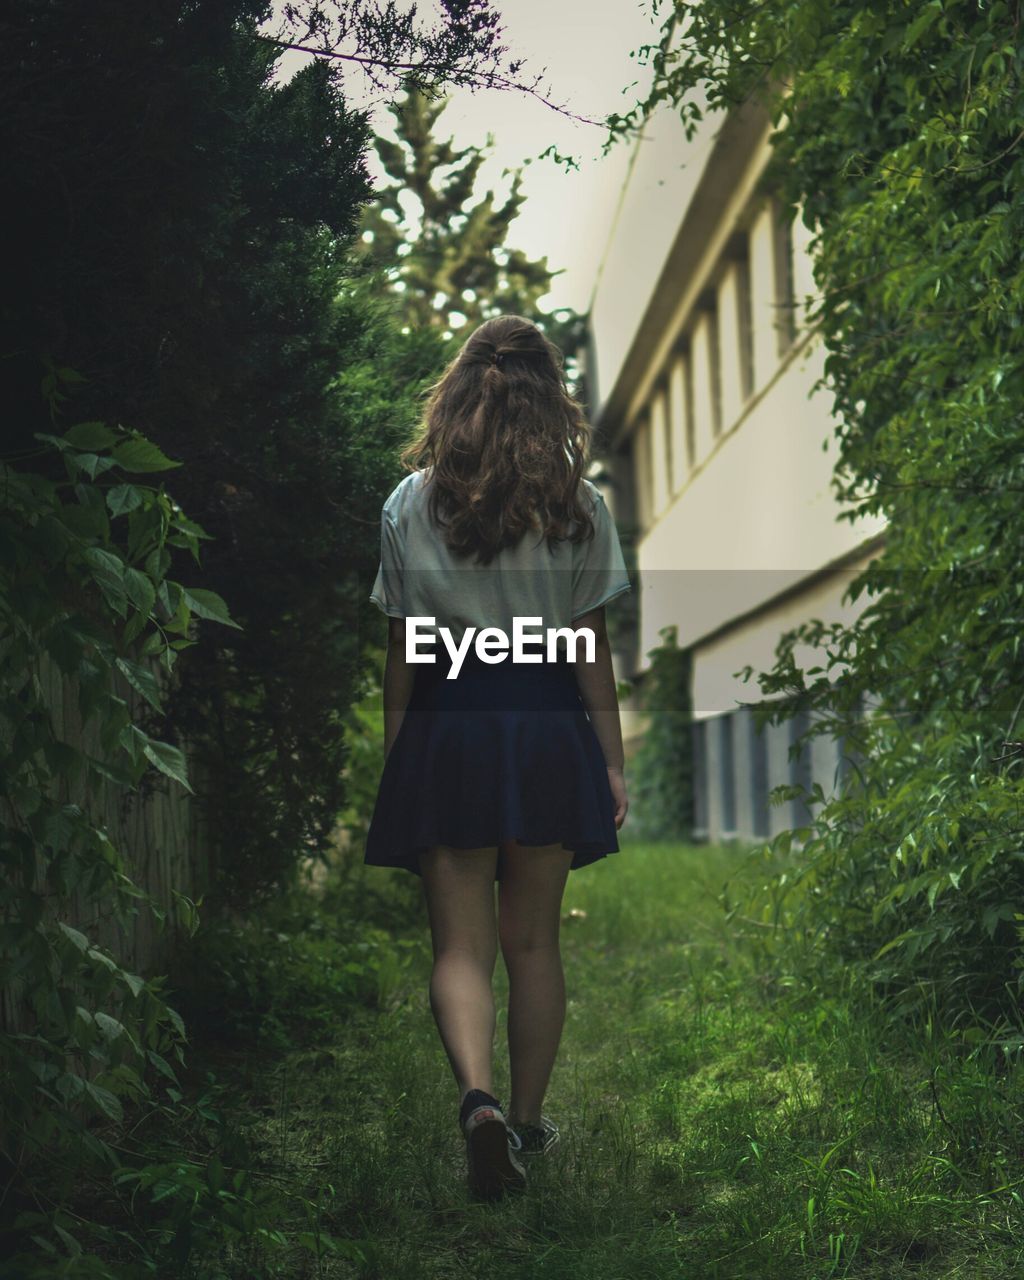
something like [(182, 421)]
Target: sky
[(581, 49)]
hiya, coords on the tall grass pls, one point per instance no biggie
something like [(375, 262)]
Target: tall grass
[(726, 1111)]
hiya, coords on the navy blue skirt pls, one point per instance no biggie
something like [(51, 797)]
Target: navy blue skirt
[(505, 751)]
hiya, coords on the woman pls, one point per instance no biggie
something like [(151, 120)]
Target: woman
[(513, 771)]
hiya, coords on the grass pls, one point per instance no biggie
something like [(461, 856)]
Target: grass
[(720, 1117)]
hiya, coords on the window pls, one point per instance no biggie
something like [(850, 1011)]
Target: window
[(785, 301), (715, 356), (660, 446), (677, 434), (691, 440), (745, 318), (642, 472), (800, 768), (728, 771), (760, 820), (700, 798)]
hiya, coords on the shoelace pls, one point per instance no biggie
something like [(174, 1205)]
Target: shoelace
[(546, 1133)]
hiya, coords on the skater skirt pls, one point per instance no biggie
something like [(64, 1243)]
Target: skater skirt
[(503, 751)]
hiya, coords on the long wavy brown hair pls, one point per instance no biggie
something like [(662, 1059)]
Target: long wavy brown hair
[(504, 442)]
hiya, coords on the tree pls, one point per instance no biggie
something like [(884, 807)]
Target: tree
[(449, 263), (898, 138), (451, 267), (393, 50), (183, 240)]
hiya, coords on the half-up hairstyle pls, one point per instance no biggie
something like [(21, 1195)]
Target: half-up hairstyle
[(505, 443)]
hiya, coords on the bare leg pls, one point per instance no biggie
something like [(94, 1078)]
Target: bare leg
[(529, 908), (459, 889)]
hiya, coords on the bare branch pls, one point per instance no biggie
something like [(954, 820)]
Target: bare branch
[(476, 79)]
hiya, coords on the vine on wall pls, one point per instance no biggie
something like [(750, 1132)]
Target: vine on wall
[(661, 782), (86, 546)]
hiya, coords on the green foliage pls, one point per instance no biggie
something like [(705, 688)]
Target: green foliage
[(189, 1189), (661, 772), (184, 235), (238, 333), (192, 1202), (294, 969), (899, 139), (395, 901), (365, 739), (457, 250), (393, 49), (451, 266), (85, 552), (745, 1124)]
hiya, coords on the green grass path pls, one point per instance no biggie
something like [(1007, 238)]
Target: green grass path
[(715, 1122)]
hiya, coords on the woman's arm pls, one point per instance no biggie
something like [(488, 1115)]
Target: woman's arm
[(398, 682)]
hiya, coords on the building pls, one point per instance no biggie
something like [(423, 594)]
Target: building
[(720, 451)]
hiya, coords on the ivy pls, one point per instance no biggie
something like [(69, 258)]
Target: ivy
[(85, 547), (899, 141), (662, 782)]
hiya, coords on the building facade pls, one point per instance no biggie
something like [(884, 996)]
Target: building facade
[(718, 451)]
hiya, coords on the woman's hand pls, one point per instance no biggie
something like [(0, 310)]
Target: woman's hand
[(617, 781)]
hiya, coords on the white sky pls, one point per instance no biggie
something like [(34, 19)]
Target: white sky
[(581, 48)]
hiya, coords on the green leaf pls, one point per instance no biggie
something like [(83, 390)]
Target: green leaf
[(131, 738), (190, 527), (91, 435), (91, 463), (168, 760), (153, 643), (922, 22), (182, 615), (162, 1065), (79, 939), (122, 498), (110, 1027), (140, 454), (134, 628), (141, 591), (68, 1240), (47, 438), (105, 1100), (134, 983), (108, 569), (119, 776), (101, 957), (175, 1019), (208, 604)]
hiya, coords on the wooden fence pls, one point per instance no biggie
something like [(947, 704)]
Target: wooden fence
[(159, 832)]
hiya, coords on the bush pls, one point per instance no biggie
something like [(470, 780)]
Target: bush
[(661, 782), (291, 967)]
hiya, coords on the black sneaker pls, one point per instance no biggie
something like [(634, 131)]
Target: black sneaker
[(536, 1139), (490, 1147)]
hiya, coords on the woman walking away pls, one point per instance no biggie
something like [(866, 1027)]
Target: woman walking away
[(511, 772)]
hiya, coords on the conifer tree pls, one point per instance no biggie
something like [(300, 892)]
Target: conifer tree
[(449, 261)]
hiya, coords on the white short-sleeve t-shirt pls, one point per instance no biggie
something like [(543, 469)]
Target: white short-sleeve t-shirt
[(420, 577)]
